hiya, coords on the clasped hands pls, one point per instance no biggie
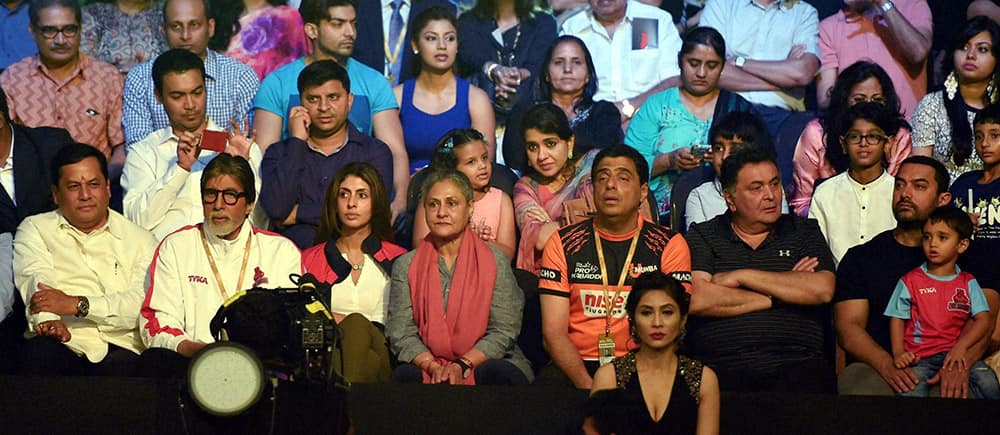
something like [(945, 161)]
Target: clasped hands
[(445, 374)]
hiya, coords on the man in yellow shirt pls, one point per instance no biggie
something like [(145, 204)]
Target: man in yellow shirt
[(80, 270)]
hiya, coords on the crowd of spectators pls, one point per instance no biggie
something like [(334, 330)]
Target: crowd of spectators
[(734, 195)]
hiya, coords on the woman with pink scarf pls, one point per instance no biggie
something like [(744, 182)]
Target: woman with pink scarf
[(454, 305)]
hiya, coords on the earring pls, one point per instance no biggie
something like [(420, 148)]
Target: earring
[(991, 91), (635, 335), (951, 85), (415, 51)]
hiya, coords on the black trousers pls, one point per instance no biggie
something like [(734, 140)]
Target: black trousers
[(162, 363), (11, 340), (491, 372), (815, 375), (46, 356)]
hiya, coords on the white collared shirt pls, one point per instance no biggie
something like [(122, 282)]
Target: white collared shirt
[(850, 213), (7, 171), (160, 196), (624, 72), (107, 265), (759, 33), (370, 296)]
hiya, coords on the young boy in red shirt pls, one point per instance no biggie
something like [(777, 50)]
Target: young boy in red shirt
[(931, 305)]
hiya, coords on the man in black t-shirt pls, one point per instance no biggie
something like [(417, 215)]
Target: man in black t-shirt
[(762, 282), (867, 276)]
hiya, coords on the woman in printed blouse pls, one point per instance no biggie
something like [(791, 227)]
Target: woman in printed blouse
[(264, 34), (123, 33), (942, 121)]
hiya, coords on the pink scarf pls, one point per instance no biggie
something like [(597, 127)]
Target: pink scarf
[(449, 334)]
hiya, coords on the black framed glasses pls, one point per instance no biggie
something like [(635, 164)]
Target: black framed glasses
[(870, 139), (858, 99), (50, 32), (229, 197)]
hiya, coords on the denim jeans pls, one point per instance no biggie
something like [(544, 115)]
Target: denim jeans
[(983, 382)]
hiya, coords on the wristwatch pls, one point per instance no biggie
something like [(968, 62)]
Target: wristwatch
[(82, 306), (740, 61), (465, 365), (627, 109), (886, 7)]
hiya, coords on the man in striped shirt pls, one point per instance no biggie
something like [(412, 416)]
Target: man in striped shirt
[(761, 283)]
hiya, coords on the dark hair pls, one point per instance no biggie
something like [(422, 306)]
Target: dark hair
[(961, 133), (315, 11), (702, 36), (890, 122), (36, 6), (487, 9), (227, 21), (739, 158), (547, 118), (652, 281), (74, 153), (988, 115), (955, 218), (941, 176), (4, 110), (433, 13), (438, 175), (622, 150), (320, 72), (204, 3), (543, 88), (177, 60), (444, 150), (233, 166), (744, 125), (840, 95), (612, 412), (330, 224)]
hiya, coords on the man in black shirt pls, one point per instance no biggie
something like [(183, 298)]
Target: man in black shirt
[(761, 282), (867, 276)]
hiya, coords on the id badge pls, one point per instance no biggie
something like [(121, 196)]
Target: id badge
[(605, 348)]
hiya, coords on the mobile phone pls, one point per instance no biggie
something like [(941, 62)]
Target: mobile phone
[(214, 140), (699, 150)]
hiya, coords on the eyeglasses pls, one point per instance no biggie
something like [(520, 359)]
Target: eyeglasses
[(863, 99), (50, 32), (230, 197), (870, 139)]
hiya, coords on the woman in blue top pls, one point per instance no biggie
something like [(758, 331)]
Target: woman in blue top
[(437, 101), (671, 122)]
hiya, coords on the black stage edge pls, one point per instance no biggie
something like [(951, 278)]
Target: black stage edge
[(141, 406)]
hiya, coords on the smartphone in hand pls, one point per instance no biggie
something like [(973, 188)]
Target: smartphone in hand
[(214, 140)]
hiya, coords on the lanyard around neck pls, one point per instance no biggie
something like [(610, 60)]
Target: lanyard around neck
[(608, 302), (215, 269)]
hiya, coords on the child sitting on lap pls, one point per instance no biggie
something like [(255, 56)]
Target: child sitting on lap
[(931, 305)]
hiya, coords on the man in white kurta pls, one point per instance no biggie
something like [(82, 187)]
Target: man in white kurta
[(81, 269), (199, 267)]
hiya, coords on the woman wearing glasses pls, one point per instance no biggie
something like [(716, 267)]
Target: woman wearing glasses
[(814, 160), (854, 206)]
